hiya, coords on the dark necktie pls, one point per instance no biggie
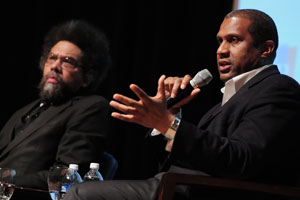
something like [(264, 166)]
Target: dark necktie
[(30, 117), (35, 113)]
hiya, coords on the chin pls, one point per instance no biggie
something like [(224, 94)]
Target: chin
[(224, 78), (48, 87)]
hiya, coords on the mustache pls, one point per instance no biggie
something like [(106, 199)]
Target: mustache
[(53, 75)]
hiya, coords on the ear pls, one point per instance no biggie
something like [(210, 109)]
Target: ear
[(267, 48)]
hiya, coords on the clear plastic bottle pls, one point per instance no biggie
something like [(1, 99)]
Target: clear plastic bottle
[(78, 178), (93, 174), (67, 182), (70, 178)]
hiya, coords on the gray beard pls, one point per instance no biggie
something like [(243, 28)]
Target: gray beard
[(53, 93)]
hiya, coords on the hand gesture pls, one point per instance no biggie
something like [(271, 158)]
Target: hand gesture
[(150, 111)]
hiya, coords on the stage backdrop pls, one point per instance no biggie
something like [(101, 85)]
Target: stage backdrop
[(286, 15)]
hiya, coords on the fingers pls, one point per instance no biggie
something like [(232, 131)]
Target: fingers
[(149, 110), (125, 105), (187, 99), (130, 110), (121, 107), (141, 94), (124, 117), (144, 97), (125, 100), (161, 87), (173, 84), (185, 81), (176, 87)]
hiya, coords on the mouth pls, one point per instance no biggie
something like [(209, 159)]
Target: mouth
[(51, 80), (224, 66), (52, 77)]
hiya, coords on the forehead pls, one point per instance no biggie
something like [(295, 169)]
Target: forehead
[(66, 48), (234, 26)]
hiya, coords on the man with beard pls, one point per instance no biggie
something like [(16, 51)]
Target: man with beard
[(69, 122)]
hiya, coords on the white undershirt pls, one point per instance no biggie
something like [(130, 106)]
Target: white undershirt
[(234, 84)]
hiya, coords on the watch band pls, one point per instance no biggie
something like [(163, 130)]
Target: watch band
[(170, 134)]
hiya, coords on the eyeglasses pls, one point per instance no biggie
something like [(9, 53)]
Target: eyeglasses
[(66, 61)]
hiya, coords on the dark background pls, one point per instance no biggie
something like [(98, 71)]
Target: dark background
[(148, 38)]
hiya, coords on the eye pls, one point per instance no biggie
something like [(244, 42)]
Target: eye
[(233, 40), (219, 40), (69, 62), (51, 58)]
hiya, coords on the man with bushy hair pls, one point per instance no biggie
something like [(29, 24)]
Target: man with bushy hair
[(69, 123)]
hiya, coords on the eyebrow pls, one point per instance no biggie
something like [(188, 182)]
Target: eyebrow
[(62, 56)]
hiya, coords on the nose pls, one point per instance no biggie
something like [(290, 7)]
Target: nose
[(223, 49), (56, 66)]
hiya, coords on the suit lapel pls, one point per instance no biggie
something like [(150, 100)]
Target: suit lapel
[(36, 124), (210, 115), (7, 131), (272, 70), (240, 93)]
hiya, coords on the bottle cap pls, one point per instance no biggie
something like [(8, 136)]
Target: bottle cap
[(74, 166), (94, 165)]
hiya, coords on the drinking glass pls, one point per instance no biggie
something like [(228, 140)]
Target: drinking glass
[(55, 176), (7, 186)]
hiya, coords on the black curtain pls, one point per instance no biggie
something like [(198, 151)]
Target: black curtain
[(148, 38)]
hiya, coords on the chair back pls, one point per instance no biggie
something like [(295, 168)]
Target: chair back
[(108, 166)]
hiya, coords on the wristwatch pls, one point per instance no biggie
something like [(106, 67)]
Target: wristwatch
[(170, 134)]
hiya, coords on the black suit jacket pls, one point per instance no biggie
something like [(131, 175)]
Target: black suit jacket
[(254, 136), (73, 132)]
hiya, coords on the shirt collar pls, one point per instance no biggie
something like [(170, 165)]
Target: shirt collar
[(234, 84)]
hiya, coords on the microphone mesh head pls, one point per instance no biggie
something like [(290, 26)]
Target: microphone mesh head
[(201, 78)]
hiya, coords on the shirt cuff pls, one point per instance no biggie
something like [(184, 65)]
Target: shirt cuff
[(155, 132)]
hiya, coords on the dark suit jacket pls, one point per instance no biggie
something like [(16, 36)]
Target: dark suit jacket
[(73, 132), (254, 136)]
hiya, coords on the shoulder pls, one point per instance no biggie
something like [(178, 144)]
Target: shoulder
[(282, 82), (276, 89), (271, 79), (90, 101)]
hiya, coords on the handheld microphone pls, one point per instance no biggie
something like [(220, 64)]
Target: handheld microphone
[(202, 78)]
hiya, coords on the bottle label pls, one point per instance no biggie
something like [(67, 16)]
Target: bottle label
[(65, 187), (93, 175)]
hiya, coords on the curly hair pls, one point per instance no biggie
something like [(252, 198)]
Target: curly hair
[(96, 60)]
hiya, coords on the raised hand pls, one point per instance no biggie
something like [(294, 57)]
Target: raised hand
[(150, 111)]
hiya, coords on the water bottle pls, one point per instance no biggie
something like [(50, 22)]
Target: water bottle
[(70, 178), (93, 174), (67, 182), (77, 178)]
